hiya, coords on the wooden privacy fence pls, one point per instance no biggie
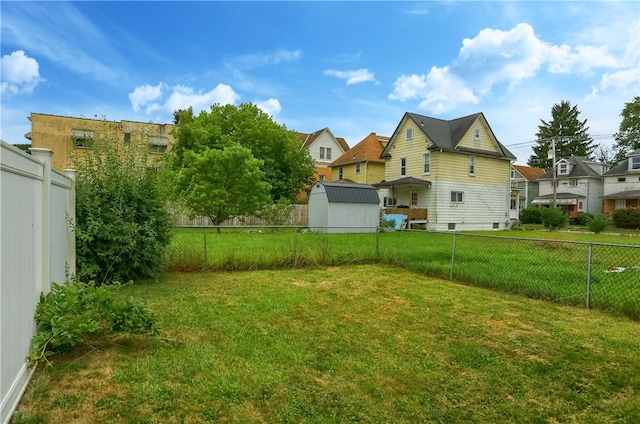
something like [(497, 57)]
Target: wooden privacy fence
[(298, 216), (37, 247)]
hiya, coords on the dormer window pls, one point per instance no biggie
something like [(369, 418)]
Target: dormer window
[(634, 164), (563, 168)]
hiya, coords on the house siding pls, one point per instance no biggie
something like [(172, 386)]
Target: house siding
[(325, 140), (484, 142), (590, 188), (370, 172), (454, 166), (412, 150)]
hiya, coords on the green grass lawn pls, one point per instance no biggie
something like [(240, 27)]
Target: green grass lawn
[(359, 343)]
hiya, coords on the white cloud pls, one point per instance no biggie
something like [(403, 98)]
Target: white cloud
[(266, 58), (510, 57), (352, 77), (20, 73), (181, 97), (144, 95), (271, 106)]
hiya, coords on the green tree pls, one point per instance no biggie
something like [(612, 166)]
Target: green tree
[(221, 183), (628, 135), (287, 168), (570, 134), (122, 220)]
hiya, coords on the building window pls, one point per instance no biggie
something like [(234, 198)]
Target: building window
[(496, 225), (389, 201), (426, 163), (513, 174), (451, 226), (409, 133), (456, 197), (127, 138), (472, 165), (358, 168), (563, 168), (158, 144), (621, 179), (322, 177), (634, 163), (340, 173), (573, 182), (82, 139), (513, 204), (157, 149), (329, 153), (580, 206), (322, 153), (476, 134), (414, 199), (403, 166)]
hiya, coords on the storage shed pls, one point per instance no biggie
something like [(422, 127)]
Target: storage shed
[(339, 207)]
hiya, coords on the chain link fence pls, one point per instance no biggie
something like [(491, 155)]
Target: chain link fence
[(594, 275)]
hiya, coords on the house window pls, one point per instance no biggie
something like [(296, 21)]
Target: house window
[(389, 201), (456, 197), (472, 165), (322, 153), (496, 225), (426, 163), (513, 174), (358, 168), (322, 177), (580, 206), (476, 134), (573, 182), (621, 203), (621, 179), (340, 173), (82, 139), (403, 166), (329, 153), (409, 133), (563, 168), (451, 226), (634, 163), (414, 199), (127, 138), (552, 184), (513, 204)]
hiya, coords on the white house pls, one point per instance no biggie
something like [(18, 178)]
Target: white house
[(336, 207), (622, 185)]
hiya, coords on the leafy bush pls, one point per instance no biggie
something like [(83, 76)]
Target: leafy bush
[(627, 218), (83, 314), (598, 223), (553, 218), (122, 221), (530, 216), (584, 218), (278, 213)]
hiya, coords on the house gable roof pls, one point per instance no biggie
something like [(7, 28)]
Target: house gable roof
[(367, 150), (343, 192), (623, 167), (529, 172), (308, 139), (580, 169), (447, 135)]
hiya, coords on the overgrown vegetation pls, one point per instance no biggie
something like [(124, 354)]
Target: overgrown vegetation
[(83, 315), (530, 215), (553, 218), (122, 221), (367, 344), (627, 218), (597, 223)]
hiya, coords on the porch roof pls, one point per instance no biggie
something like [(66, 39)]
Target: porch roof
[(629, 194), (402, 182)]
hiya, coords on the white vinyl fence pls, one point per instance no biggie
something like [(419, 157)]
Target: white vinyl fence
[(37, 247)]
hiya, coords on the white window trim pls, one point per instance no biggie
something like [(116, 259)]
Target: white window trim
[(634, 163), (472, 166), (358, 168), (426, 160), (458, 195), (321, 152), (403, 168), (409, 134), (328, 155)]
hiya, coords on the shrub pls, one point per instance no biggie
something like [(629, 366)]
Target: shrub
[(584, 218), (83, 314), (122, 221), (530, 215), (627, 218), (598, 223), (278, 213), (553, 218)]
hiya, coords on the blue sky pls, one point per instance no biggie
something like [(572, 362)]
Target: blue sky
[(355, 67)]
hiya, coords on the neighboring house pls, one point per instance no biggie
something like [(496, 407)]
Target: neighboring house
[(338, 207), (361, 163), (622, 185), (449, 175), (579, 186), (68, 137), (524, 188), (324, 148)]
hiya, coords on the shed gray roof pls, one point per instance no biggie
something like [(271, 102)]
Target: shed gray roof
[(350, 192)]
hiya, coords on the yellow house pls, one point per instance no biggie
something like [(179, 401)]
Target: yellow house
[(448, 175), (70, 137), (362, 163)]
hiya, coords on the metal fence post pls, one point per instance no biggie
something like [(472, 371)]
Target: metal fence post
[(205, 244), (589, 275), (453, 255)]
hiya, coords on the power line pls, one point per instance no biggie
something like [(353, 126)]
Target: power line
[(567, 137)]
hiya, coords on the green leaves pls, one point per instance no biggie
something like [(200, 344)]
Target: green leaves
[(84, 314)]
